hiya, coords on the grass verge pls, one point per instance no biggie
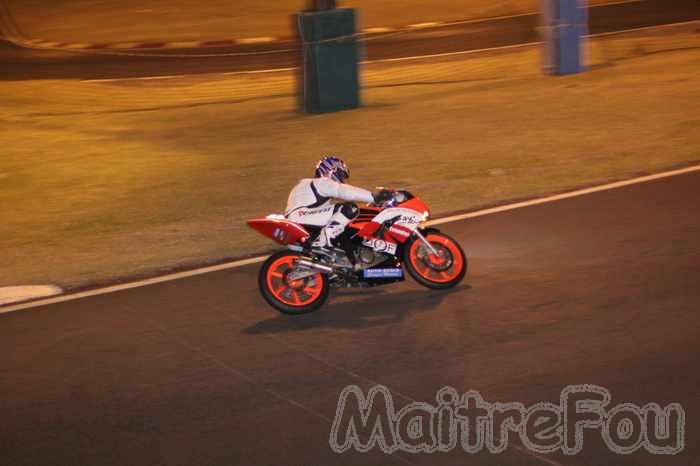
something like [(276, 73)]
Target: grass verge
[(106, 180)]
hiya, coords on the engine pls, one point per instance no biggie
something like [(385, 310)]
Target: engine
[(365, 257), (368, 258)]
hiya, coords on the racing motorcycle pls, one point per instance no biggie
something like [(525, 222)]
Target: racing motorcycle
[(375, 249)]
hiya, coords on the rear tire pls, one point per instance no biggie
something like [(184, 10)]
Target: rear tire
[(300, 297), (437, 273)]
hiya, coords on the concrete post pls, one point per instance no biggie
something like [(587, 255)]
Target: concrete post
[(330, 57)]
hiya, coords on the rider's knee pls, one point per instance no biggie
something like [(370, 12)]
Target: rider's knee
[(348, 209)]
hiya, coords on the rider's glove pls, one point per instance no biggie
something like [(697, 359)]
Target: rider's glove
[(382, 196)]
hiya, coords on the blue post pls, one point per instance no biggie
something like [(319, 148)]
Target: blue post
[(565, 26)]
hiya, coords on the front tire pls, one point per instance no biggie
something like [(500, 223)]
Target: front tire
[(436, 272), (290, 297)]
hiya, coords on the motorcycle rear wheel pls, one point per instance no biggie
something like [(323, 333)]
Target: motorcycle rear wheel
[(290, 297), (436, 272)]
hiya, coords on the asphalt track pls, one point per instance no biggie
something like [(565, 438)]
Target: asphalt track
[(19, 63), (600, 289)]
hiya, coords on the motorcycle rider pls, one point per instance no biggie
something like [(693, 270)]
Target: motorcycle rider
[(311, 201)]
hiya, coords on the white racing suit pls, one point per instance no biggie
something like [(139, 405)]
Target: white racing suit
[(311, 203)]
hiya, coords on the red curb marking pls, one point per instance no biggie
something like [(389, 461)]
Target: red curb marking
[(217, 43), (150, 45)]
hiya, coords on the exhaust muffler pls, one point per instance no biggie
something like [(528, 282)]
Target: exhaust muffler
[(316, 267), (305, 268)]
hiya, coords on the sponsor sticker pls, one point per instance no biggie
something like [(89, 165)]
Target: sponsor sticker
[(303, 213), (394, 272)]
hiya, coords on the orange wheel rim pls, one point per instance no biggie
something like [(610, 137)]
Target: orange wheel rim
[(441, 269), (297, 293)]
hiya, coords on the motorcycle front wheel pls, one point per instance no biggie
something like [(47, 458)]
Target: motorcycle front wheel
[(438, 272), (290, 296)]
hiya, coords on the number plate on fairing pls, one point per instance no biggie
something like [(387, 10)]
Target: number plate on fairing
[(394, 272), (379, 245)]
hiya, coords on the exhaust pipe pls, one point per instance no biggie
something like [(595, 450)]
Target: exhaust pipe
[(315, 267)]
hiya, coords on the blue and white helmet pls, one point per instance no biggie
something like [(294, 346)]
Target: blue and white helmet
[(333, 168)]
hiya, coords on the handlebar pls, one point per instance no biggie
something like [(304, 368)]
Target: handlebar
[(398, 196)]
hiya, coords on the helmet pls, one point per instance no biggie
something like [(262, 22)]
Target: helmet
[(333, 168)]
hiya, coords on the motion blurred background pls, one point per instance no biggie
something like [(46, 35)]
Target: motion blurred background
[(138, 136), (161, 20)]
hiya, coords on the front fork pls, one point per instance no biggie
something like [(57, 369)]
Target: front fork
[(427, 244)]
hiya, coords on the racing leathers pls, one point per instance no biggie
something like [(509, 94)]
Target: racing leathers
[(311, 203)]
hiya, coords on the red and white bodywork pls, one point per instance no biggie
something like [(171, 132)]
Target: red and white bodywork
[(405, 218), (375, 249), (280, 229)]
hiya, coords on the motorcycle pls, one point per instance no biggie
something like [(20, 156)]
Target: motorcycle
[(375, 249)]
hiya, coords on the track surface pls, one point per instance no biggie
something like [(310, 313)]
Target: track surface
[(599, 289), (29, 64)]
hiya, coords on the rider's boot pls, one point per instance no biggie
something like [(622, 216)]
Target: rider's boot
[(343, 214), (328, 235)]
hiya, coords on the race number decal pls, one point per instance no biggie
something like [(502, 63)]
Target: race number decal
[(279, 234), (379, 245)]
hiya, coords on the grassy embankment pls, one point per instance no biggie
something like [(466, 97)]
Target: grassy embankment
[(106, 180)]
